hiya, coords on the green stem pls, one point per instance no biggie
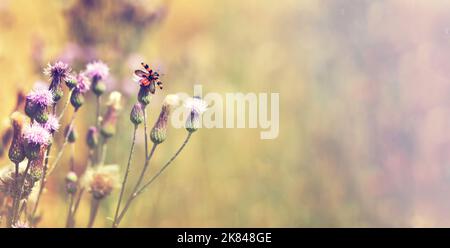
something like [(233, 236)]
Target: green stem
[(136, 192), (66, 104), (66, 141), (124, 182)]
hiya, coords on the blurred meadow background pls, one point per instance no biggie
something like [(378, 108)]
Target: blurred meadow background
[(364, 106)]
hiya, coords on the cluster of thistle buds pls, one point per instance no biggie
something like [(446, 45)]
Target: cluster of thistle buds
[(34, 132), (33, 137)]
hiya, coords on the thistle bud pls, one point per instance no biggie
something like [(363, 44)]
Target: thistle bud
[(71, 82), (71, 134), (144, 96), (58, 93), (71, 182), (37, 165), (77, 99), (92, 137), (109, 122), (196, 107), (41, 116), (101, 180), (137, 114), (16, 150), (99, 87), (97, 71), (159, 131)]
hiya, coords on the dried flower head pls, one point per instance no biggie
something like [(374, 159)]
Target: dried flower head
[(16, 150), (8, 185), (97, 70), (101, 180), (52, 125), (159, 130)]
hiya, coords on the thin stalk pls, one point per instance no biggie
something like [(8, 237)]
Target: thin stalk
[(165, 166), (97, 125), (136, 192), (104, 148), (69, 214), (66, 141), (94, 210), (43, 182), (138, 183), (124, 182), (145, 133), (16, 207), (16, 186), (77, 204), (66, 104)]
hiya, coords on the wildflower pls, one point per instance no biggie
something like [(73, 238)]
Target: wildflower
[(137, 114), (196, 107), (16, 150), (35, 136), (37, 103), (92, 137), (159, 131), (97, 71), (58, 72), (83, 85), (108, 127), (52, 125), (70, 134), (101, 180), (71, 182), (8, 185)]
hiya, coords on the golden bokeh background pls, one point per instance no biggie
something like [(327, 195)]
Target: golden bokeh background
[(364, 106)]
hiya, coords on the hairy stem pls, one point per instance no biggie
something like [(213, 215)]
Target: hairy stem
[(124, 182)]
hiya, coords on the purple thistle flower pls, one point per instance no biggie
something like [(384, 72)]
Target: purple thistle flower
[(97, 70), (52, 125), (58, 72), (83, 83), (41, 97), (35, 134)]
